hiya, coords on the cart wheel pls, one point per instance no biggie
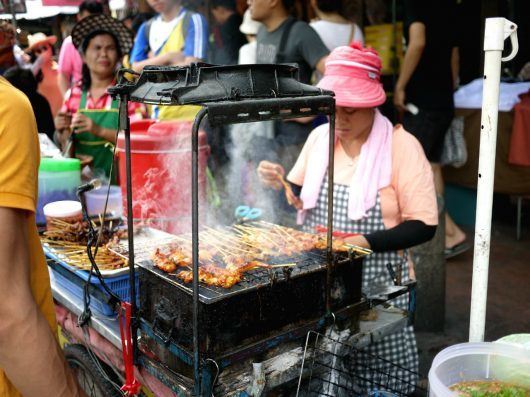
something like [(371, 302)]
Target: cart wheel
[(89, 375)]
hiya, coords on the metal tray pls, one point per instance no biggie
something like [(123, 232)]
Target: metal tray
[(62, 259), (144, 239)]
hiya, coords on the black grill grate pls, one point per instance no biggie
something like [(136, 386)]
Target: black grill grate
[(309, 262)]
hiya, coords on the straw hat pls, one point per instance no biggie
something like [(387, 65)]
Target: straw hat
[(353, 73), (103, 23), (37, 39), (249, 25)]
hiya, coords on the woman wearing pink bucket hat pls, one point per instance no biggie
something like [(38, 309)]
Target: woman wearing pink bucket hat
[(384, 197)]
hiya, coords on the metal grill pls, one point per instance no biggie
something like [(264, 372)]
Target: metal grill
[(145, 239), (307, 263), (332, 367)]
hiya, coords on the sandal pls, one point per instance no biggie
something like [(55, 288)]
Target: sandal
[(456, 249)]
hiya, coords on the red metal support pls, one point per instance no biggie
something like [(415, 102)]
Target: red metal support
[(131, 386)]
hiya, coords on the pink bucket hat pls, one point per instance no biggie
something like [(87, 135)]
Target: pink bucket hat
[(353, 73)]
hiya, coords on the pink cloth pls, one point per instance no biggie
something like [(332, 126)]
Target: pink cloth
[(373, 172), (70, 62)]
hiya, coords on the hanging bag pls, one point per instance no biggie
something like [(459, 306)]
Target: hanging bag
[(455, 151)]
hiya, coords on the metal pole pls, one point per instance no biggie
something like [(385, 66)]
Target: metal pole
[(331, 170), (496, 31), (124, 125), (195, 244)]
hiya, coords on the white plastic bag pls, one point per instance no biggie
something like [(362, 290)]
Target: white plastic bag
[(455, 151)]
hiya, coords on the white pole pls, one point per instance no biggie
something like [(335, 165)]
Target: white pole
[(497, 30)]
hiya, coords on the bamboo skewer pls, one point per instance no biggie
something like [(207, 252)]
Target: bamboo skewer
[(287, 187), (235, 243), (283, 265)]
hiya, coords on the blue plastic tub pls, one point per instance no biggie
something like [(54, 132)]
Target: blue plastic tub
[(119, 285)]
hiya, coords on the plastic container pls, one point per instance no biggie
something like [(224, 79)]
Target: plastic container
[(161, 173), (521, 340), (478, 361), (66, 210), (58, 180), (74, 283), (95, 201)]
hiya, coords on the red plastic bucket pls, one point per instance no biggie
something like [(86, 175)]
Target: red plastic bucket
[(161, 173)]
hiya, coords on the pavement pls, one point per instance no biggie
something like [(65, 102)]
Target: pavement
[(508, 303)]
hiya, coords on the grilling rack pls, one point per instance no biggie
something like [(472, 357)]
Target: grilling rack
[(227, 94), (257, 278), (332, 367), (306, 262)]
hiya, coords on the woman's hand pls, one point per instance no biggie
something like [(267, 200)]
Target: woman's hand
[(269, 173), (272, 175), (62, 121), (359, 241), (82, 123)]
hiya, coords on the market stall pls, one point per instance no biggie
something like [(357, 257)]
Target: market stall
[(37, 9), (511, 176), (251, 291)]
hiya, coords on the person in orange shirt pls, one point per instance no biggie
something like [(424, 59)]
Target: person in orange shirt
[(31, 361), (45, 68), (383, 188)]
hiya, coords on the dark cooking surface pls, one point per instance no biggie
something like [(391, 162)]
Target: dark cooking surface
[(257, 278), (249, 311)]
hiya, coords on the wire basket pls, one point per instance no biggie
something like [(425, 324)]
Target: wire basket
[(334, 368)]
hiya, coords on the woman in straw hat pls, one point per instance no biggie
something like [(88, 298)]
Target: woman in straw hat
[(89, 112), (383, 188), (40, 48)]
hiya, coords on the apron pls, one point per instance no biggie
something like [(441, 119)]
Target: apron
[(400, 347), (100, 149), (175, 42)]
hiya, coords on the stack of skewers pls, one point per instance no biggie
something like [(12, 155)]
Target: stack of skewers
[(226, 254), (69, 240)]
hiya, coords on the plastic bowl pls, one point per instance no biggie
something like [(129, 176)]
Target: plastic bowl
[(478, 361), (95, 201), (66, 211)]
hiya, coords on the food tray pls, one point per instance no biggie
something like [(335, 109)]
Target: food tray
[(145, 238), (62, 259)]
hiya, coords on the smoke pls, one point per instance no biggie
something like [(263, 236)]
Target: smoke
[(250, 143), (162, 180)]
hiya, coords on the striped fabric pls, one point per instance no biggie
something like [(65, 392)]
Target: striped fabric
[(399, 348), (71, 104)]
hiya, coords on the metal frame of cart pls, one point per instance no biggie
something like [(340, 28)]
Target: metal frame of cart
[(208, 86)]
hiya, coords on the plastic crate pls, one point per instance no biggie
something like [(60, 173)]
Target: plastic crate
[(75, 282)]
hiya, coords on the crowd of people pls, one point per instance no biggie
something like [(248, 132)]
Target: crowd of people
[(384, 186)]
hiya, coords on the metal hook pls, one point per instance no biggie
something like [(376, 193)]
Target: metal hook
[(512, 33)]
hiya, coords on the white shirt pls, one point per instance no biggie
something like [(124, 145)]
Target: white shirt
[(160, 31), (335, 34), (247, 53)]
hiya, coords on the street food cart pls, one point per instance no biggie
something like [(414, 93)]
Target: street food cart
[(238, 312)]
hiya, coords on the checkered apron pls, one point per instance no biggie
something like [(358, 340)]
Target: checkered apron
[(400, 347)]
